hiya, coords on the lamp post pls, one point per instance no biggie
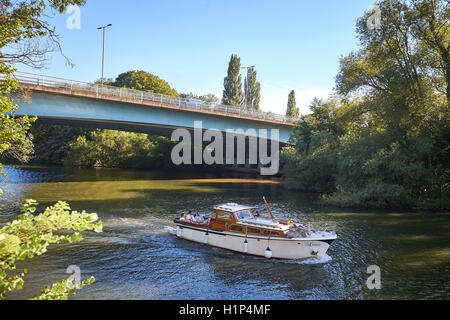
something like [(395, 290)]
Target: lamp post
[(103, 53)]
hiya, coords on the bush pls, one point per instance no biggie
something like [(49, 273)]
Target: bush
[(118, 149)]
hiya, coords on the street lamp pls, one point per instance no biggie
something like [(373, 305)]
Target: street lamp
[(103, 54)]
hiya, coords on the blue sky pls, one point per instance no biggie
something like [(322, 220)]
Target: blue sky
[(293, 44)]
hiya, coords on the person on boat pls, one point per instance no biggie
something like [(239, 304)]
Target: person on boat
[(206, 219), (183, 217), (198, 219), (189, 217)]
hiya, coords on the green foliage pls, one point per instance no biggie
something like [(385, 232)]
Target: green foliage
[(312, 164), (232, 93), (118, 149), (31, 235), (385, 142), (13, 130), (61, 290), (400, 156), (51, 142), (357, 161), (292, 110), (210, 98), (144, 81)]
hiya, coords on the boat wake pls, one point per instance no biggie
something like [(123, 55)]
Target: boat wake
[(170, 230), (325, 259), (317, 260)]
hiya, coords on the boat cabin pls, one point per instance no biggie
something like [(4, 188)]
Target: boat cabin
[(227, 215)]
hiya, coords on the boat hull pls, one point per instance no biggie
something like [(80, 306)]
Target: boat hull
[(280, 248)]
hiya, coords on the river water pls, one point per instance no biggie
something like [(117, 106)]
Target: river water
[(137, 258)]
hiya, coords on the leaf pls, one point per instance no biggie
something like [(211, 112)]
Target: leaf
[(98, 227), (76, 237)]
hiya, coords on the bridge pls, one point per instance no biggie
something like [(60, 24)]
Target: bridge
[(68, 102)]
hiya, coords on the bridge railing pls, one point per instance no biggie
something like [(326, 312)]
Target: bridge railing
[(99, 89)]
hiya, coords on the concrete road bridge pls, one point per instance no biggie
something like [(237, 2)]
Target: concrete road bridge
[(69, 102)]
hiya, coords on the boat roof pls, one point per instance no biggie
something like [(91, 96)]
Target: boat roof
[(264, 223), (232, 207)]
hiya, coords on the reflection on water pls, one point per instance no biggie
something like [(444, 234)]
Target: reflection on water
[(136, 257)]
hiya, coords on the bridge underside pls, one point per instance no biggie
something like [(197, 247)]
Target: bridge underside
[(241, 161), (151, 129), (138, 127)]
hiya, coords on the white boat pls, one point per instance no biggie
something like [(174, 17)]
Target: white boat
[(241, 229)]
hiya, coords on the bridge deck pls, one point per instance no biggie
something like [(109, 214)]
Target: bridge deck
[(106, 97), (74, 88)]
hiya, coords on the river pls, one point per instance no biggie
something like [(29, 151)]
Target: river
[(137, 258)]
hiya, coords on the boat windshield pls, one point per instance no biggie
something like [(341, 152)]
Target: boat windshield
[(244, 214)]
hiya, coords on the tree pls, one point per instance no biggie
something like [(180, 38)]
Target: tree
[(383, 141), (210, 98), (25, 38), (13, 130), (141, 80), (119, 149), (252, 90), (292, 110), (402, 65), (232, 93), (429, 21)]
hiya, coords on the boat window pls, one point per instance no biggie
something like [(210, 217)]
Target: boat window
[(224, 215), (256, 213), (271, 233), (253, 231), (244, 214), (236, 228)]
